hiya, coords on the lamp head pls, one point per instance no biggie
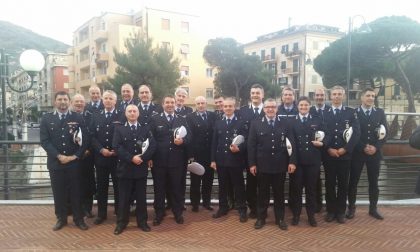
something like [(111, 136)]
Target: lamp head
[(32, 61)]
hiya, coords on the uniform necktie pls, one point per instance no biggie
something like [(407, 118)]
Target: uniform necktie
[(178, 110), (319, 111), (228, 121), (97, 104), (367, 113), (170, 117), (304, 119), (272, 123), (336, 111), (63, 116), (256, 111), (108, 115), (145, 107), (133, 127), (204, 116), (125, 105)]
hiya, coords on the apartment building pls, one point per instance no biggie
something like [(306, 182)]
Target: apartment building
[(53, 78), (93, 44), (290, 52)]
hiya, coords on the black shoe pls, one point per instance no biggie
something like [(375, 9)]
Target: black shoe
[(157, 221), (195, 209), (82, 225), (59, 225), (312, 221), (375, 214), (282, 225), (295, 220), (219, 214), (253, 214), (329, 217), (341, 219), (259, 224), (350, 212), (179, 219), (208, 207), (144, 227), (99, 220), (89, 214), (119, 229), (231, 204), (243, 217)]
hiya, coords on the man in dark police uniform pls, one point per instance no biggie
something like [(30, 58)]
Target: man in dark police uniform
[(64, 147)]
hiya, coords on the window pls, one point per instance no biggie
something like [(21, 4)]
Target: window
[(65, 72), (295, 82), (103, 25), (295, 65), (209, 72), (139, 21), (283, 65), (314, 79), (315, 45), (185, 71), (284, 49), (295, 47), (185, 26), (311, 95), (209, 93), (166, 45), (262, 54), (283, 80), (166, 24), (273, 53), (185, 48), (103, 47), (273, 68)]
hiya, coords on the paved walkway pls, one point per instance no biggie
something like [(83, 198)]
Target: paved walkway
[(29, 228)]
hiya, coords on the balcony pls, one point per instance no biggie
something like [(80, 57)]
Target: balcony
[(290, 71), (102, 57), (294, 53), (100, 36), (84, 64), (269, 59), (101, 79)]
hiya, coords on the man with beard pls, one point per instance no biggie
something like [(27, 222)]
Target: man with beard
[(170, 160), (65, 147)]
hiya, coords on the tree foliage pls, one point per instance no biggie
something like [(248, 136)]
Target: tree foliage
[(236, 71), (389, 51), (141, 63)]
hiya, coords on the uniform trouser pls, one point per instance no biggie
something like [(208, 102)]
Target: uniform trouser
[(251, 191), (126, 188), (336, 185), (236, 177), (372, 166), (102, 177), (276, 182), (304, 176), (87, 183), (165, 178), (65, 185), (206, 182), (184, 188)]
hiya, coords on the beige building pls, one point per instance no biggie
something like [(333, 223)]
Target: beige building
[(290, 52), (93, 44)]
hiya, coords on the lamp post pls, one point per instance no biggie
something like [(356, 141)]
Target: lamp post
[(32, 62), (306, 61), (363, 29)]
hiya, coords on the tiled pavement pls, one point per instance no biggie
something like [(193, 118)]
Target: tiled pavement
[(28, 228)]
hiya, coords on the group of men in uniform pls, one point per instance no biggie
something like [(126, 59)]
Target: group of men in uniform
[(123, 139)]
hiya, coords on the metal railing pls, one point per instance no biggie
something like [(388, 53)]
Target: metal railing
[(24, 174)]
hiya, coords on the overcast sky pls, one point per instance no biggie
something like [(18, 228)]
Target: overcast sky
[(241, 20)]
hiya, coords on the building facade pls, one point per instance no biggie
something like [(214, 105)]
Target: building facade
[(92, 52), (289, 54)]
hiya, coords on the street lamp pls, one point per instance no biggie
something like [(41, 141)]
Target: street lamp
[(306, 61), (32, 62), (363, 29)]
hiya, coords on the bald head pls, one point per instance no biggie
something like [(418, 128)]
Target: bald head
[(78, 103), (94, 93), (201, 104)]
